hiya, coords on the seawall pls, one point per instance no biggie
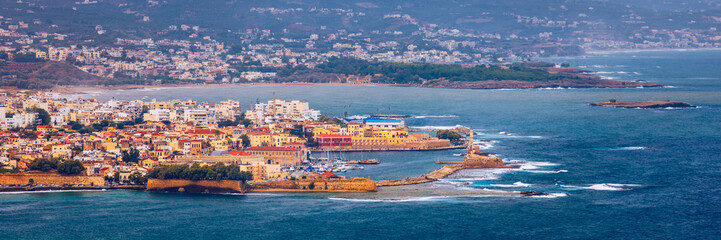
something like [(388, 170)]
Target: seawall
[(201, 186), (353, 184), (50, 178)]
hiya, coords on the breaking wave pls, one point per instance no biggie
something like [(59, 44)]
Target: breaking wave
[(622, 148), (53, 191), (601, 187), (400, 199), (515, 184), (551, 195), (435, 127), (504, 134), (435, 116)]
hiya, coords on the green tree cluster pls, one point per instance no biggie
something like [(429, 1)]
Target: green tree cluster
[(404, 73), (67, 167), (43, 115), (240, 119), (245, 140), (71, 167), (448, 134), (131, 156), (43, 164), (196, 172)]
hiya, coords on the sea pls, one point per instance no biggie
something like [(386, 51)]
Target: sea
[(610, 173)]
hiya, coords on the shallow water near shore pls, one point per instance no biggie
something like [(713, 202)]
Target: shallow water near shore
[(613, 173)]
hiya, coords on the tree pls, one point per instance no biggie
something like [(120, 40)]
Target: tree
[(132, 156), (246, 122), (43, 164), (228, 123), (448, 134), (196, 172), (298, 131), (26, 57), (245, 140), (71, 167), (137, 178), (43, 116), (311, 143), (75, 125)]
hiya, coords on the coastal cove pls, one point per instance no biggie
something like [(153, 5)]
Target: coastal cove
[(611, 173)]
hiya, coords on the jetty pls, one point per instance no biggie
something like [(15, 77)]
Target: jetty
[(385, 149), (475, 159)]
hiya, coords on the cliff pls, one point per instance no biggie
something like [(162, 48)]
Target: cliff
[(353, 184), (646, 104), (201, 186), (50, 178)]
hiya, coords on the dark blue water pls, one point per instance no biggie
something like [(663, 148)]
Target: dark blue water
[(615, 173)]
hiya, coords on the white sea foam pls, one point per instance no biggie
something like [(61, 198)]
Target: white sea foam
[(504, 134), (470, 175), (515, 184), (548, 171), (399, 199), (535, 167), (436, 127), (355, 199), (53, 191), (623, 185), (256, 194), (484, 145), (554, 88), (500, 191), (435, 116), (633, 148), (601, 187), (551, 195)]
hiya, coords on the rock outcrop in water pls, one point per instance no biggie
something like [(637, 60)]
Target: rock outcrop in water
[(646, 104)]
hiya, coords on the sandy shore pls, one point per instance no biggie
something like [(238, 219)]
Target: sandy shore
[(85, 89)]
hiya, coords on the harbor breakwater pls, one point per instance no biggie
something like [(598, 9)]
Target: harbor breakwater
[(476, 161)]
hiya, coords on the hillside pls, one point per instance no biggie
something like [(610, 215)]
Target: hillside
[(44, 75)]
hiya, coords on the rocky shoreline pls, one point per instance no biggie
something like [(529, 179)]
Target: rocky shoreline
[(646, 104)]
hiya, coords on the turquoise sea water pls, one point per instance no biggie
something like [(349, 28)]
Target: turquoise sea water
[(614, 173)]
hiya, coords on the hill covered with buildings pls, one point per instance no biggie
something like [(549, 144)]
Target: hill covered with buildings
[(187, 41)]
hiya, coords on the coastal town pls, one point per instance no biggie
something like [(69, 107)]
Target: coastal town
[(190, 53), (122, 141)]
